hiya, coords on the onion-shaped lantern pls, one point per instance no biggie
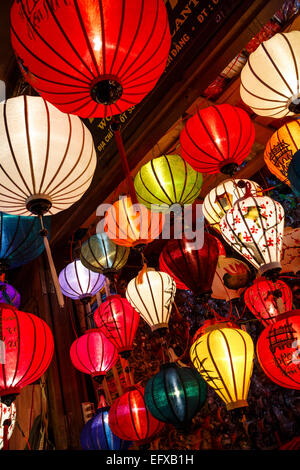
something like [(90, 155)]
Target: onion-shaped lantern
[(224, 358), (47, 158), (118, 320), (78, 282), (290, 259), (131, 224), (175, 395), (101, 255), (281, 147), (231, 278), (192, 266), (270, 79), (93, 354), (8, 416), (129, 419), (278, 350), (294, 173), (26, 350), (165, 181), (9, 295), (88, 58), (220, 199), (152, 294), (267, 299), (254, 228), (217, 138)]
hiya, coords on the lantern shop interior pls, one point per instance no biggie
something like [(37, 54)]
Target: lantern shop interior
[(149, 225)]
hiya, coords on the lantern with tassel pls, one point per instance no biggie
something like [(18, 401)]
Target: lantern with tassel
[(78, 282), (290, 259), (231, 278), (294, 174), (9, 295), (8, 416)]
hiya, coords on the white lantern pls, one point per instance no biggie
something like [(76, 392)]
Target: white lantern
[(78, 282), (9, 414), (231, 279), (254, 228), (290, 259), (220, 199), (47, 158), (270, 79), (152, 295)]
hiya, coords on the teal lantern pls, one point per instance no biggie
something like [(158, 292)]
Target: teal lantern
[(175, 395), (294, 173)]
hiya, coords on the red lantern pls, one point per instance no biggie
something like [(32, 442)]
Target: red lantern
[(267, 299), (191, 266), (26, 350), (129, 419), (91, 58), (164, 268), (210, 325), (118, 320), (217, 138), (93, 354), (278, 350)]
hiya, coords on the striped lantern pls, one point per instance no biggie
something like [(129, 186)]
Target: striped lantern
[(78, 282)]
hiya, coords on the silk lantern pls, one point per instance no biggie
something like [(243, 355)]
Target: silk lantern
[(281, 147), (131, 225), (129, 419), (8, 415), (164, 268), (254, 228), (90, 59), (294, 174), (93, 354), (278, 350), (101, 255), (167, 180), (79, 283), (26, 350), (221, 198), (152, 294), (118, 320), (224, 358), (175, 395), (267, 299), (290, 258), (231, 278), (217, 138), (9, 295), (211, 323), (269, 80)]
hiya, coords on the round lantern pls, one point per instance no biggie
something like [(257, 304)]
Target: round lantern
[(9, 295), (8, 415), (268, 299), (101, 255), (217, 138), (88, 58), (192, 266), (175, 394), (294, 174), (210, 324), (278, 350), (254, 228), (281, 147), (164, 268), (224, 358), (165, 181), (220, 199), (152, 294), (47, 158), (78, 282), (26, 350), (129, 419), (290, 259), (269, 80), (131, 224), (93, 354), (118, 320), (231, 278)]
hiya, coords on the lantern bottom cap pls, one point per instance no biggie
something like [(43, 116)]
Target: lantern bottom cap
[(229, 168), (294, 104), (106, 90), (236, 404), (38, 204), (159, 326), (270, 269)]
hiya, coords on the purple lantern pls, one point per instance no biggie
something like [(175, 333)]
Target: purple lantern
[(78, 282), (9, 295)]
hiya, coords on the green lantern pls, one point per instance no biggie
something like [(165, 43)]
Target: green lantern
[(102, 255), (175, 395), (167, 180)]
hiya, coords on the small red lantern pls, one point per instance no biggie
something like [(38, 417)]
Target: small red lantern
[(26, 350), (118, 320), (129, 419), (93, 354), (278, 350), (217, 138), (267, 299)]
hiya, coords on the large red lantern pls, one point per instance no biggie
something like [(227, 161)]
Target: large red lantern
[(278, 350), (26, 349), (118, 320), (217, 138), (267, 299), (93, 354), (91, 58), (129, 419)]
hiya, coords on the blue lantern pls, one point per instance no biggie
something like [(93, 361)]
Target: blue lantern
[(294, 173), (9, 295)]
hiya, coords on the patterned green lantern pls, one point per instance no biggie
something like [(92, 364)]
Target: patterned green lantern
[(167, 180), (175, 394)]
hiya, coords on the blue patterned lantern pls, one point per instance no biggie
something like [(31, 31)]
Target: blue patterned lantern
[(294, 173), (9, 295)]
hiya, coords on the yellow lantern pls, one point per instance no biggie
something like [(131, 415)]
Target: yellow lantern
[(224, 357), (280, 149)]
